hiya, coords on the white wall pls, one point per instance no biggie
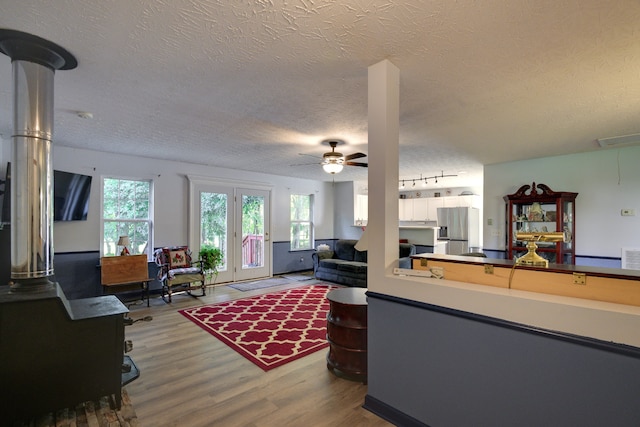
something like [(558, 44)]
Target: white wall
[(343, 215), (171, 195), (607, 182)]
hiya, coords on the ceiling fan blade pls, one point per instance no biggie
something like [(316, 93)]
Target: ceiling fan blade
[(304, 164), (364, 165), (354, 156)]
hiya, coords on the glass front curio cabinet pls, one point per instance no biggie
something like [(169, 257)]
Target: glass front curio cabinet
[(538, 209)]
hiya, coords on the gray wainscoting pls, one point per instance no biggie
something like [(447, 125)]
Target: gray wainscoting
[(78, 273), (439, 367), (287, 261)]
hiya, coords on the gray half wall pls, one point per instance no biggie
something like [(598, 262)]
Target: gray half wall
[(449, 368)]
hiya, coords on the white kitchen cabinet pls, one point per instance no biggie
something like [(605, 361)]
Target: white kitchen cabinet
[(426, 208), (360, 203), (420, 211), (361, 209), (414, 210), (405, 209), (433, 204)]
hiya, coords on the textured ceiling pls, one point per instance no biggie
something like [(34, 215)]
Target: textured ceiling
[(251, 84)]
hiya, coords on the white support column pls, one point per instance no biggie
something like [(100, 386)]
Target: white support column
[(384, 137)]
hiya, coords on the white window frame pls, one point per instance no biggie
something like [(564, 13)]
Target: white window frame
[(306, 221), (149, 220)]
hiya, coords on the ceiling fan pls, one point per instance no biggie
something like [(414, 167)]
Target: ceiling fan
[(333, 161)]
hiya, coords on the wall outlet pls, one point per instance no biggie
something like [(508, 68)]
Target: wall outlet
[(628, 212)]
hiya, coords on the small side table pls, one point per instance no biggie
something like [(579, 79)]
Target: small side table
[(114, 288), (347, 333)]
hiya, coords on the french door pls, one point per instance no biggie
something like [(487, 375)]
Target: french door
[(236, 221), (252, 235)]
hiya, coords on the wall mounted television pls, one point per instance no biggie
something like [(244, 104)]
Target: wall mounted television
[(71, 193)]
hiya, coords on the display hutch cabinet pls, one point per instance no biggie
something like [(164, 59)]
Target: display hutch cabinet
[(537, 208)]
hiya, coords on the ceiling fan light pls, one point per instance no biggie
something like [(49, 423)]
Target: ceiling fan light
[(332, 162), (332, 167)]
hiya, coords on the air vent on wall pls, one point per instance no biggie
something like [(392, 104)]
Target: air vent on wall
[(631, 258)]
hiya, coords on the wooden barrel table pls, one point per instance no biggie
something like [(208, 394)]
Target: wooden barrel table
[(347, 333)]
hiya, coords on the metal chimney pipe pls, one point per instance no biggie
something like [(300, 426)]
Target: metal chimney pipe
[(34, 61)]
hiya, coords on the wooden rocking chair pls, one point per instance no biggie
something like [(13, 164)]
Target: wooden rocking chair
[(178, 270)]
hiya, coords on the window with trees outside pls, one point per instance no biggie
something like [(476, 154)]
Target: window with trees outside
[(301, 221), (127, 210)]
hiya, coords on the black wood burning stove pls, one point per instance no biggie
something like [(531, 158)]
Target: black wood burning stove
[(54, 353)]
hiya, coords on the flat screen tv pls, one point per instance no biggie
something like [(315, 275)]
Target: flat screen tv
[(71, 193), (70, 196)]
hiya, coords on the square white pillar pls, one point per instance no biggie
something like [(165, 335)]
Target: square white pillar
[(383, 144)]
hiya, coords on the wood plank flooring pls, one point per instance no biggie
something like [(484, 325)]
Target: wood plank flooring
[(189, 378), (98, 413)]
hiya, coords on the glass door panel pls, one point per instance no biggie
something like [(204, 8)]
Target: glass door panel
[(213, 223), (254, 245), (216, 226)]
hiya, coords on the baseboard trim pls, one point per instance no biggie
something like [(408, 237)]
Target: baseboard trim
[(390, 413)]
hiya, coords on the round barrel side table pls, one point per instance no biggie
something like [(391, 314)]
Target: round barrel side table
[(347, 333)]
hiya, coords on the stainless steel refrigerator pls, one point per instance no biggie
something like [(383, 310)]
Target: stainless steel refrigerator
[(460, 227)]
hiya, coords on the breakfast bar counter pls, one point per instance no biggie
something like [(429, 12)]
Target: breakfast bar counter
[(593, 283)]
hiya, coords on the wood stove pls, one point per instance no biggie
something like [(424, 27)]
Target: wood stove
[(54, 352)]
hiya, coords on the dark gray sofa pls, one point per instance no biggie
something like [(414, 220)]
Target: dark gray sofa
[(347, 266)]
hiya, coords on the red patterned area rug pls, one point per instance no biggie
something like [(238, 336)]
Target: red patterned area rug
[(271, 329)]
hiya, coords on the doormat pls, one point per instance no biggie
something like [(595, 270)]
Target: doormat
[(298, 277), (260, 284), (271, 329)]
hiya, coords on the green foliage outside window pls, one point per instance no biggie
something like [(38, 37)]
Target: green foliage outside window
[(126, 206), (213, 225), (252, 215), (301, 225)]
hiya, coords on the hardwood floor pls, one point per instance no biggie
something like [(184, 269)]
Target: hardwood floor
[(190, 378)]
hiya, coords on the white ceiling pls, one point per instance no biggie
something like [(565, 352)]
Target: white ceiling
[(251, 84)]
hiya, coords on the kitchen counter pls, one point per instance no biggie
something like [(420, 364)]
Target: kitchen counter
[(419, 234), (591, 283)]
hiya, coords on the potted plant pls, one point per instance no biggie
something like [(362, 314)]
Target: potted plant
[(211, 258)]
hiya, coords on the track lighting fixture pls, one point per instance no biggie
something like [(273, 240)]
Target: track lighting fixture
[(425, 179)]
